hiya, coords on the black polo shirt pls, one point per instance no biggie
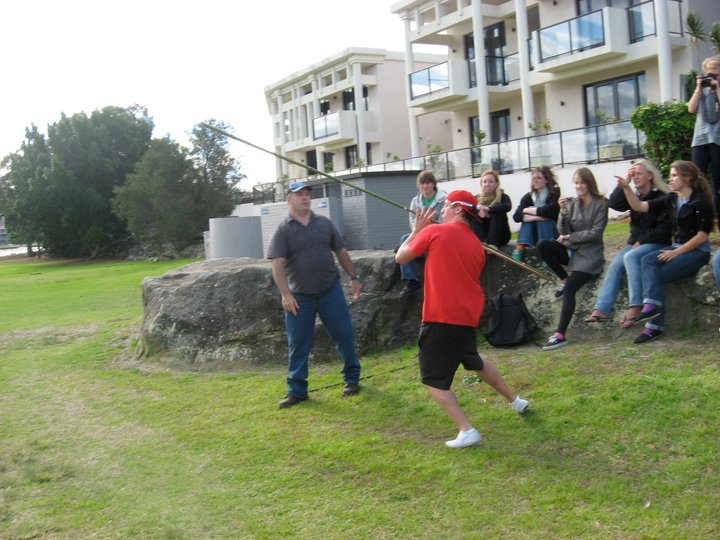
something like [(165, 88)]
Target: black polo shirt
[(308, 253)]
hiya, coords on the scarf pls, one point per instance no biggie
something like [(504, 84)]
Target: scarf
[(487, 200)]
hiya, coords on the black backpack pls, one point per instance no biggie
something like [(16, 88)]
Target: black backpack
[(510, 323)]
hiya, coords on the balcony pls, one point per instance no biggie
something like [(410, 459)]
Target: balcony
[(594, 144), (605, 142), (335, 128), (600, 35), (440, 83), (641, 19)]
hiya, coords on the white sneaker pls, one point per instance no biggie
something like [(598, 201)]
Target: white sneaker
[(465, 438), (520, 405)]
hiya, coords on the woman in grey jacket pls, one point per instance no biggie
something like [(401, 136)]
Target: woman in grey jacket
[(579, 247), (429, 196)]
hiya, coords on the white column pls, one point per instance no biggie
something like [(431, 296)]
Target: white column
[(528, 106), (664, 51), (409, 68), (316, 114), (281, 164), (359, 113), (481, 88)]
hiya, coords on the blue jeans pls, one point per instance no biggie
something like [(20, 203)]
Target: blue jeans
[(631, 265), (655, 274), (532, 232), (334, 314), (611, 282), (407, 270), (716, 267)]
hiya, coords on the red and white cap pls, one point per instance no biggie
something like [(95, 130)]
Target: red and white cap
[(463, 198)]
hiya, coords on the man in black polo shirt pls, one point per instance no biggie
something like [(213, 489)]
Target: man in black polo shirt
[(304, 271)]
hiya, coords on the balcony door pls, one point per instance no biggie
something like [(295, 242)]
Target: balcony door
[(494, 53), (494, 40)]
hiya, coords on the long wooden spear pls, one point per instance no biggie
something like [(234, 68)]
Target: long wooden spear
[(491, 250)]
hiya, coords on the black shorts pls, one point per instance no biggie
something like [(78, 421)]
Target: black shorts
[(443, 347)]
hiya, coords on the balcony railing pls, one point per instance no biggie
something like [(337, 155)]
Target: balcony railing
[(641, 19), (500, 70), (327, 125), (429, 80), (593, 144), (575, 35)]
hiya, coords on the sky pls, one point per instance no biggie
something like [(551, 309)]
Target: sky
[(185, 61)]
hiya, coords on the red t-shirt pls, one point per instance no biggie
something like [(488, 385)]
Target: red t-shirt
[(455, 259)]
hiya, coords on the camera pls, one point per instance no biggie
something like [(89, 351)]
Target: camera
[(708, 79)]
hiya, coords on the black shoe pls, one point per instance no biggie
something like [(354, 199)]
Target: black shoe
[(289, 401), (411, 285), (351, 389), (644, 338), (647, 315)]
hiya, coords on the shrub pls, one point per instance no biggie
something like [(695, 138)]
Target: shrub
[(668, 128)]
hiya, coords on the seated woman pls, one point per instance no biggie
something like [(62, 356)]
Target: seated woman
[(538, 211), (648, 232), (429, 196), (493, 207), (691, 210), (579, 247)]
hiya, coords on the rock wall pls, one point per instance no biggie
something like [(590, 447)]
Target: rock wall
[(225, 313)]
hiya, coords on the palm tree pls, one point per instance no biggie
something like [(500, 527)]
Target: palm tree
[(715, 38), (695, 27)]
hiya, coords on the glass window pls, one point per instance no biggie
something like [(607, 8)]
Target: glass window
[(351, 156), (614, 100), (587, 6), (500, 125), (348, 100)]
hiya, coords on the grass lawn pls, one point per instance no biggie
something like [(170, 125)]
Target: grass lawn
[(622, 440)]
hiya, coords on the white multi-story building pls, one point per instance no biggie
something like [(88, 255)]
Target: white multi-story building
[(556, 81), (349, 111)]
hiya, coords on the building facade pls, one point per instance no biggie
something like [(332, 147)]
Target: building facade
[(555, 81), (348, 111)]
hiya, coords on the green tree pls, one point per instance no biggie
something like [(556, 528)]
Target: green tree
[(715, 38), (217, 173), (22, 188), (173, 192), (695, 28), (90, 156), (157, 198), (668, 129)]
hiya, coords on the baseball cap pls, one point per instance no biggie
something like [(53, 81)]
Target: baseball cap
[(461, 197), (294, 187)]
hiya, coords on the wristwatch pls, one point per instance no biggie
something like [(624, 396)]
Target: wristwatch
[(355, 278)]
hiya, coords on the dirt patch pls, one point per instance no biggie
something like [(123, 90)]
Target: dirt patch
[(48, 335)]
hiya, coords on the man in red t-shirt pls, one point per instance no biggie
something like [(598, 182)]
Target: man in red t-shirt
[(452, 307)]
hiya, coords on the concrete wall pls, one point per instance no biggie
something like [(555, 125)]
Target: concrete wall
[(367, 222), (271, 215), (370, 222), (234, 237)]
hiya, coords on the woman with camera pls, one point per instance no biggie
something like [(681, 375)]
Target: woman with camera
[(705, 101)]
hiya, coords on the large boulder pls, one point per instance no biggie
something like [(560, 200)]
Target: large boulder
[(225, 313)]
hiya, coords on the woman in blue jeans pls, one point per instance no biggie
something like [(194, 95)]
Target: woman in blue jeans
[(692, 214), (648, 232), (538, 211)]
